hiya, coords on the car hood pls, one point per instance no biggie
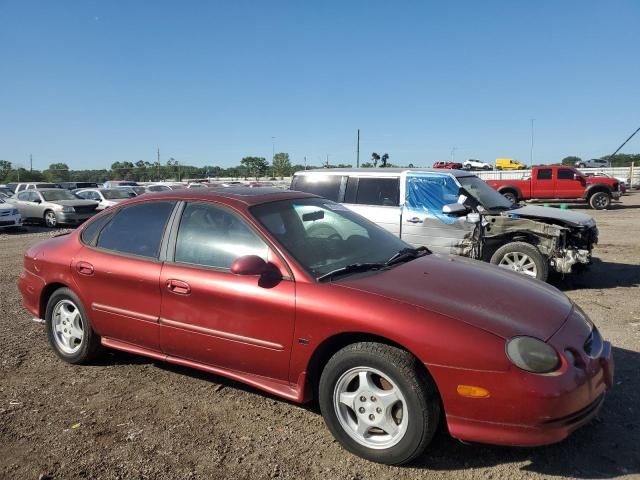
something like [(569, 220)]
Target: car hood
[(567, 216), (493, 299)]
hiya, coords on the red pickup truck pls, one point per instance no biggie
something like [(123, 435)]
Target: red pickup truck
[(556, 182)]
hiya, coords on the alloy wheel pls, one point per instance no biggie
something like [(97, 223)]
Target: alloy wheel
[(68, 327), (370, 408), (50, 219), (519, 262)]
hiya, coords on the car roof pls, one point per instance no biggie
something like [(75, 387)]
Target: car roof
[(230, 195), (383, 172)]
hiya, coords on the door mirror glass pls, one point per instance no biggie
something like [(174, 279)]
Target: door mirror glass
[(249, 265), (454, 208)]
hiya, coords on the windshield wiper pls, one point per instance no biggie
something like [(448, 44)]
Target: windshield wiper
[(351, 268), (406, 254)]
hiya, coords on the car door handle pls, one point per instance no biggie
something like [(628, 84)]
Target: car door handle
[(179, 287), (84, 268), (414, 220)]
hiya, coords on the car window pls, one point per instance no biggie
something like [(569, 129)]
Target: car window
[(113, 194), (58, 195), (23, 196), (544, 174), (373, 191), (327, 186), (90, 232), (565, 174), (214, 237), (137, 230)]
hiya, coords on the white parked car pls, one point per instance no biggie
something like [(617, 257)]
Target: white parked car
[(106, 197), (9, 215), (472, 164)]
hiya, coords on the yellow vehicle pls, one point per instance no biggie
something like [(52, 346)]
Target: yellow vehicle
[(509, 164)]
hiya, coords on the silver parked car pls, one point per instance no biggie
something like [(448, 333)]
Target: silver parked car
[(593, 163), (53, 206), (106, 197), (455, 212)]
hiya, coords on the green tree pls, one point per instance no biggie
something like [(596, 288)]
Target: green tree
[(123, 170), (570, 160), (57, 172), (281, 165), (384, 159), (23, 175), (367, 165), (375, 158), (256, 166), (5, 168)]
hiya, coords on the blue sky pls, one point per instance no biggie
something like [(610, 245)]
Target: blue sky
[(93, 82)]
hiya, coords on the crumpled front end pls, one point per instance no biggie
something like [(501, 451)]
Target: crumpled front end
[(575, 249)]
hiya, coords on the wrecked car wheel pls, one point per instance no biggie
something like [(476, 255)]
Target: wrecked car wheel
[(378, 403), (523, 258), (600, 200)]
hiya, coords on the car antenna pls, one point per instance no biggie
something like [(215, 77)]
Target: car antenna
[(623, 144)]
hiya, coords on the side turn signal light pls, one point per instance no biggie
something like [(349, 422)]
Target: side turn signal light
[(472, 392)]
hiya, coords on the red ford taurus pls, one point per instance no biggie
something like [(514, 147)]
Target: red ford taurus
[(302, 298)]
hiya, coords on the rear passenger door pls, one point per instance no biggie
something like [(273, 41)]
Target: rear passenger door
[(377, 199), (543, 185), (118, 272)]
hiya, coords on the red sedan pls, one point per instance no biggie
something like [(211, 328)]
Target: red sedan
[(301, 297), (449, 165)]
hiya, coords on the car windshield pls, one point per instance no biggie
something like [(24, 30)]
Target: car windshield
[(324, 236), (57, 195), (115, 194), (487, 196)]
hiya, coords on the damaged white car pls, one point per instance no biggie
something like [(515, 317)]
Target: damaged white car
[(455, 212)]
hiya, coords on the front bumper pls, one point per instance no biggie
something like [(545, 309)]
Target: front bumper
[(73, 218), (525, 409), (9, 221)]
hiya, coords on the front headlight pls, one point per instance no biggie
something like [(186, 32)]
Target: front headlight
[(68, 209), (532, 355)]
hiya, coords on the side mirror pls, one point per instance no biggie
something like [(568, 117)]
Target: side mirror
[(37, 200), (454, 208), (249, 265)]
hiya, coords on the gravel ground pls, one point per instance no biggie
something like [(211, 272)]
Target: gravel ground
[(130, 417)]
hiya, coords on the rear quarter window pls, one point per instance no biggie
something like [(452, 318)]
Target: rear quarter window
[(327, 186)]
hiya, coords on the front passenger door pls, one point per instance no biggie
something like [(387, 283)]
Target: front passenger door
[(215, 317)]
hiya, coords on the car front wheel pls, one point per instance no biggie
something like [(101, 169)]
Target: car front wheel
[(600, 200), (50, 219), (523, 258), (378, 402), (68, 328)]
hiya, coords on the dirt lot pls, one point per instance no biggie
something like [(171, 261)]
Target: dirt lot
[(129, 417)]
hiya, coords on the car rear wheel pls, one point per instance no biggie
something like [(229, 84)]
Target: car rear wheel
[(523, 258), (50, 219), (68, 328), (378, 403), (600, 200), (512, 197)]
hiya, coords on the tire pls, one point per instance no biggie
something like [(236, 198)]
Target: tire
[(498, 168), (582, 165), (50, 219), (522, 257), (487, 167), (509, 195), (600, 201), (65, 313), (398, 396)]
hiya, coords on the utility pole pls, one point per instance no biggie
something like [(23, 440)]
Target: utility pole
[(358, 151), (620, 147), (453, 153), (30, 162), (273, 149), (159, 164), (531, 152), (305, 163)]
